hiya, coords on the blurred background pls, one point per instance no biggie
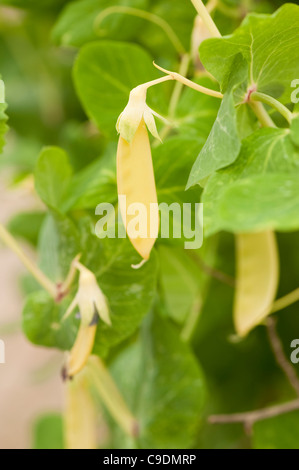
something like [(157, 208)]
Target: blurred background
[(37, 79), (29, 383)]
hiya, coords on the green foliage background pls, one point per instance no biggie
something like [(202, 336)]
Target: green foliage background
[(68, 77)]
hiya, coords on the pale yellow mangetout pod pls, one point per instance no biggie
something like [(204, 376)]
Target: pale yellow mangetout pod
[(136, 181), (257, 279), (81, 350), (200, 32), (80, 424)]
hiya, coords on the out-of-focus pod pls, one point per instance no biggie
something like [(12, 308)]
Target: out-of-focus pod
[(257, 279)]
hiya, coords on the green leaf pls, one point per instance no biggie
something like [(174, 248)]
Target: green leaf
[(280, 432), (34, 4), (179, 15), (58, 245), (184, 278), (165, 388), (246, 121), (82, 143), (48, 432), (94, 184), (52, 176), (41, 322), (21, 155), (261, 203), (265, 151), (111, 261), (267, 158), (216, 317), (267, 42), (222, 146), (104, 73), (27, 225), (79, 22)]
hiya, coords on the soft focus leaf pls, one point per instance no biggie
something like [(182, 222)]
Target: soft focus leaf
[(27, 225), (41, 322), (170, 391), (58, 243), (52, 176), (79, 22), (48, 432), (180, 280), (279, 432), (95, 184), (105, 72)]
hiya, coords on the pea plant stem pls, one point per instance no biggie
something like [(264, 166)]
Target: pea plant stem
[(178, 85), (281, 359), (262, 97), (189, 83), (251, 417), (261, 114), (110, 395), (257, 107), (41, 278), (144, 15), (285, 301), (206, 18), (191, 321), (156, 82), (71, 275), (175, 96)]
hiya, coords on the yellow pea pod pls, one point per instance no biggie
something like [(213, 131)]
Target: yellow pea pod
[(136, 181), (80, 426), (257, 279), (81, 350)]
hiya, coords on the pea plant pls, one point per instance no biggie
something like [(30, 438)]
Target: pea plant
[(154, 105)]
